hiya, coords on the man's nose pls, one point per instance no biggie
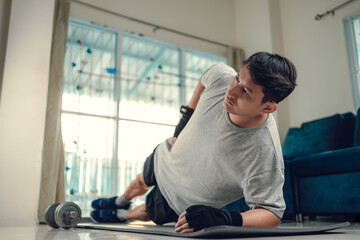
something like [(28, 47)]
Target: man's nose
[(234, 91)]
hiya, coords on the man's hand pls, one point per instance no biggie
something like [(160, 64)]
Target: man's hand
[(182, 224), (198, 217)]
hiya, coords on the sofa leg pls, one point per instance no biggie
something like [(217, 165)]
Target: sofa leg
[(299, 217)]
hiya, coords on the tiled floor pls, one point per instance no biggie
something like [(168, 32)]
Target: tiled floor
[(43, 232)]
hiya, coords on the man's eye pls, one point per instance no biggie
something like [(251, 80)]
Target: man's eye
[(244, 90), (237, 78)]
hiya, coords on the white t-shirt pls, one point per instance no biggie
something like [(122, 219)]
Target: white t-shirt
[(215, 162)]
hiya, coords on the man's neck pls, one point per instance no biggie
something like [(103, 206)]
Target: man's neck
[(248, 122)]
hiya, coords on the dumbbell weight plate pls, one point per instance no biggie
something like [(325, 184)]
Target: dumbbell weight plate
[(50, 215), (67, 215)]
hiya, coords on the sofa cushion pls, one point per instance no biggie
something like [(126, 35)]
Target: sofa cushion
[(332, 162), (330, 194), (312, 137), (288, 194), (345, 131), (357, 129)]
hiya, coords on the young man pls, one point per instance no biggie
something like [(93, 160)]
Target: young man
[(229, 149)]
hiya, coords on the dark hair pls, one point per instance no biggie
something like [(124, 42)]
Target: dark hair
[(276, 74)]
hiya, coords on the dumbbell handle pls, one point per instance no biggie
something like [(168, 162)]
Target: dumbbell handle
[(73, 215)]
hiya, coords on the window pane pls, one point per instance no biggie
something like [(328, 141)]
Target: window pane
[(352, 33), (89, 70), (136, 142), (196, 64), (356, 26), (149, 112), (149, 79), (89, 87), (88, 143)]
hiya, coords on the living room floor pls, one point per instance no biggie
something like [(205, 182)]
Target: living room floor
[(44, 232)]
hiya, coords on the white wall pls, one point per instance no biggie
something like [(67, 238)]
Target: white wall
[(22, 109), (252, 25), (211, 19), (318, 49)]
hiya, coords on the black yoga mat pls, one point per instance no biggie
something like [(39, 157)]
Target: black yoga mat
[(212, 232)]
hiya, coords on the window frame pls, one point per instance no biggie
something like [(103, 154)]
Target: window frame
[(353, 57)]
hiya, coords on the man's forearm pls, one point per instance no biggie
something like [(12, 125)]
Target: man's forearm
[(198, 217), (196, 95), (260, 218), (197, 92), (188, 110)]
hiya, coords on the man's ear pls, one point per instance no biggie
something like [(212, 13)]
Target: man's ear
[(269, 107)]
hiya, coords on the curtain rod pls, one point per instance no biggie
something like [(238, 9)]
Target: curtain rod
[(156, 27), (332, 11)]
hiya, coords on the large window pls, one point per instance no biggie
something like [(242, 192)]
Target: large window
[(352, 31), (122, 94)]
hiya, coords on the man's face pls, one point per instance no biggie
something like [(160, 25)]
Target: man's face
[(243, 97)]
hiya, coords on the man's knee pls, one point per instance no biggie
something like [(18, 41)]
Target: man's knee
[(144, 216), (138, 213), (140, 180)]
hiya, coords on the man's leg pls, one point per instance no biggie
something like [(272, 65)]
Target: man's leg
[(136, 188), (121, 213), (138, 213), (117, 208)]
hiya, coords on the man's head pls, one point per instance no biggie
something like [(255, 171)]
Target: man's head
[(265, 80), (276, 74)]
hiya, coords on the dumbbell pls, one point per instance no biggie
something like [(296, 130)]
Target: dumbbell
[(65, 215)]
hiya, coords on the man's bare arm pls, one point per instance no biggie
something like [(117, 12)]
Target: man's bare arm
[(252, 218), (260, 218), (197, 92), (196, 95), (194, 99)]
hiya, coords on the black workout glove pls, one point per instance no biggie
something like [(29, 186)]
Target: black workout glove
[(199, 217), (186, 115)]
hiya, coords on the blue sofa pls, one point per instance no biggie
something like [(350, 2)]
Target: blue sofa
[(322, 168), (322, 164)]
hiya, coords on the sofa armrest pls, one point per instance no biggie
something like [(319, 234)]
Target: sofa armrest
[(331, 162)]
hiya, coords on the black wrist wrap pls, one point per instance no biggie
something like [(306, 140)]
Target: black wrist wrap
[(200, 216), (186, 115), (236, 218)]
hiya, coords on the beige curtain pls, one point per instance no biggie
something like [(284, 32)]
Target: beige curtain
[(235, 57), (52, 188)]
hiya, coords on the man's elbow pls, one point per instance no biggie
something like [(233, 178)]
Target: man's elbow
[(276, 222), (272, 220), (260, 218)]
